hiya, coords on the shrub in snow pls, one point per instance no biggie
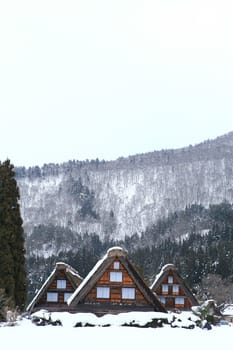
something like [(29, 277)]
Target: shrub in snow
[(183, 323), (208, 312), (130, 319), (11, 317), (152, 323), (83, 324), (45, 320), (7, 314)]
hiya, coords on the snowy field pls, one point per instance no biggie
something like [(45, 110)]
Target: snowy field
[(25, 335)]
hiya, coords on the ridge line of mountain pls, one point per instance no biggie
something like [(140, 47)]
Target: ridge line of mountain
[(213, 148)]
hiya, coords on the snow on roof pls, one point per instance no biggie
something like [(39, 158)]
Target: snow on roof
[(87, 278), (163, 269), (114, 251), (59, 266), (40, 290), (68, 269)]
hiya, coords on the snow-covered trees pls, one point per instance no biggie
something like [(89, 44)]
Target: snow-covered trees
[(215, 287)]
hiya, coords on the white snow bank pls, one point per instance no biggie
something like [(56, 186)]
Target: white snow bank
[(27, 336), (183, 320), (68, 319)]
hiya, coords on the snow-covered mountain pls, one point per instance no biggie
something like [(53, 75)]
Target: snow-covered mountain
[(124, 196)]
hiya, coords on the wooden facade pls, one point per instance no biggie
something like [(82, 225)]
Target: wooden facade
[(114, 286), (57, 289), (172, 291)]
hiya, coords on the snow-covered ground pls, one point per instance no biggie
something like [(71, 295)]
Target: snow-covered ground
[(25, 335)]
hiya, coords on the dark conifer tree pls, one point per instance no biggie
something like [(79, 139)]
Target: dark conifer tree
[(12, 253)]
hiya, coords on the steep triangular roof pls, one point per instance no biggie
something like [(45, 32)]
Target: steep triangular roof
[(99, 269), (171, 269), (71, 274), (160, 275)]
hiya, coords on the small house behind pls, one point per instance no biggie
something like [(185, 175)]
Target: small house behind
[(114, 286), (172, 291), (57, 289), (227, 313)]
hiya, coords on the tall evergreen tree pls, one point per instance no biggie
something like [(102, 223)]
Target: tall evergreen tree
[(12, 252)]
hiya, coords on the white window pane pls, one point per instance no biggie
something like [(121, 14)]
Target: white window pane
[(116, 276), (175, 288), (128, 293), (179, 301), (67, 296), (170, 279), (52, 297), (61, 284), (116, 265), (103, 292), (162, 300), (164, 288)]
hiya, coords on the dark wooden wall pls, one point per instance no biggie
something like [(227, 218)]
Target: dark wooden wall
[(52, 287), (116, 288), (170, 295)]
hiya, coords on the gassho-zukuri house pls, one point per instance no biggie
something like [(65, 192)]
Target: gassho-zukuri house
[(57, 289), (172, 290), (112, 286)]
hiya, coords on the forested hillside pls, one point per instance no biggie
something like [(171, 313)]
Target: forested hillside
[(164, 206), (198, 240), (125, 196)]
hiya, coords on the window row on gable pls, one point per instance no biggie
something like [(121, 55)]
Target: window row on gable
[(126, 293), (175, 288), (52, 297), (177, 300)]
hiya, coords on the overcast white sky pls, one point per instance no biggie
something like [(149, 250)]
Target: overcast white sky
[(107, 78)]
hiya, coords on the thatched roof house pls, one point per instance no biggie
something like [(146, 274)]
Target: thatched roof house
[(57, 289), (172, 290), (113, 286)]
